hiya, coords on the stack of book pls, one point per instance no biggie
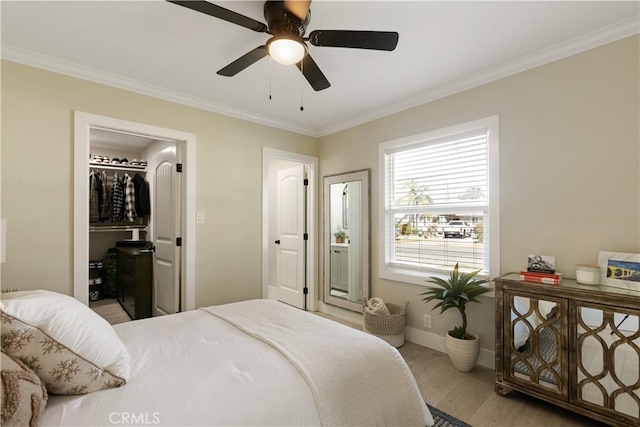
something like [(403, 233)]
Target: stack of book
[(539, 277)]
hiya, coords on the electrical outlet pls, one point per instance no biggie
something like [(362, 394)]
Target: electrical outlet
[(427, 321)]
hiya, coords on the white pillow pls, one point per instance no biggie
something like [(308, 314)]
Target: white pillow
[(71, 348)]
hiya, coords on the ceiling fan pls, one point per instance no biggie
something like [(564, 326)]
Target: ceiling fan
[(287, 23)]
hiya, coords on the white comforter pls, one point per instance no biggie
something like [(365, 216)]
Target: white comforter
[(195, 368)]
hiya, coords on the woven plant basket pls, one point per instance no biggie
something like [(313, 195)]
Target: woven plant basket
[(390, 328)]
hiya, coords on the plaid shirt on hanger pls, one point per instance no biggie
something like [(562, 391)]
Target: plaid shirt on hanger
[(117, 198), (104, 201), (129, 198), (94, 199)]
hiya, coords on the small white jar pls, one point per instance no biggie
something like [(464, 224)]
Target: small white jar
[(588, 274)]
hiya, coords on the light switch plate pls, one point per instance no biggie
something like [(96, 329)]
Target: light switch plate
[(200, 217)]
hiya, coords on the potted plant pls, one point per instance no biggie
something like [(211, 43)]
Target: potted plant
[(340, 235), (463, 346)]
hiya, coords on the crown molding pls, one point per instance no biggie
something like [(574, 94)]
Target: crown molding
[(605, 35), (573, 46), (37, 60)]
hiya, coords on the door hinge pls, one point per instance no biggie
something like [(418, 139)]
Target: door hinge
[(178, 241), (305, 236), (305, 290), (306, 181), (179, 167)]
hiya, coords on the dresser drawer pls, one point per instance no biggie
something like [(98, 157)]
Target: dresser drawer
[(127, 282), (135, 280), (126, 263), (129, 304)]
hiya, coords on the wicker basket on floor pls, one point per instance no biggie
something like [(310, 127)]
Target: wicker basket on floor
[(388, 327)]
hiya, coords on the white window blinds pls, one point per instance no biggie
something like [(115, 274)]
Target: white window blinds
[(439, 174), (436, 202)]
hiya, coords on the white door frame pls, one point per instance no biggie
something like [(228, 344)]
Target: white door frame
[(269, 154), (83, 123)]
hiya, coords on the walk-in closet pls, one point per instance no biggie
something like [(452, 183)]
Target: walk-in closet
[(122, 198), (153, 243)]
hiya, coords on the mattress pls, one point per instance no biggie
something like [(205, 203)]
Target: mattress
[(196, 368)]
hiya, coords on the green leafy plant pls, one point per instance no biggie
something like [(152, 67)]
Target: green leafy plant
[(456, 292), (340, 234)]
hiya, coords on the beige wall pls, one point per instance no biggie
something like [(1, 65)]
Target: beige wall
[(569, 165), (37, 180), (569, 158)]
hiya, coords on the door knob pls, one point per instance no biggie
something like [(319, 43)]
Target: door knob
[(277, 242)]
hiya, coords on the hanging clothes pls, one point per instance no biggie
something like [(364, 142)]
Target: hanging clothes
[(104, 199), (129, 198), (117, 199), (143, 202), (93, 198)]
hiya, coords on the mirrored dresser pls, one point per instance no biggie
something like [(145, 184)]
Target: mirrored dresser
[(573, 345)]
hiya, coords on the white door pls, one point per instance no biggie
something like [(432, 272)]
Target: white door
[(290, 241), (166, 220)]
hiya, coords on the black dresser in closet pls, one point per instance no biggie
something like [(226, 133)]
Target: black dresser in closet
[(134, 280)]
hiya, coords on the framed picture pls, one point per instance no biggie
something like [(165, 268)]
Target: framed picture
[(541, 263), (619, 269)]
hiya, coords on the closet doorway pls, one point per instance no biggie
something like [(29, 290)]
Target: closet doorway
[(165, 159)]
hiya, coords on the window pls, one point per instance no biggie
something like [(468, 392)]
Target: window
[(440, 202)]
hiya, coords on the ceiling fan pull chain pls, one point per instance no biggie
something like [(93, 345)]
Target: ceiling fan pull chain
[(270, 78), (301, 100), (302, 87)]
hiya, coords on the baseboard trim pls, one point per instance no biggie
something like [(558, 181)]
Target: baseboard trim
[(486, 358), (430, 340)]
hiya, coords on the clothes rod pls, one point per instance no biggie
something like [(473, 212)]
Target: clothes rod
[(118, 228)]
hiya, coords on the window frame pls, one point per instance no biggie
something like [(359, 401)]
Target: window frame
[(407, 275)]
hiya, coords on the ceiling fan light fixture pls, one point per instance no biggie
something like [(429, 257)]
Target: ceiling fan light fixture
[(286, 50)]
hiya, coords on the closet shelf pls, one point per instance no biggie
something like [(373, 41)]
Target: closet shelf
[(107, 166), (108, 228)]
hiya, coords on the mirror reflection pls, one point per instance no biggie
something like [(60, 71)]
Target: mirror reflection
[(535, 341), (346, 198), (345, 281), (608, 359)]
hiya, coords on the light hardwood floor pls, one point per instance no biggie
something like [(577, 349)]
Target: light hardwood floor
[(111, 310), (467, 396)]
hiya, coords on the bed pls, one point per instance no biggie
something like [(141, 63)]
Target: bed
[(257, 362)]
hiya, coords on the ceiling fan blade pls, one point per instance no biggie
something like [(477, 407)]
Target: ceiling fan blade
[(312, 73), (377, 40), (222, 13), (299, 8), (243, 62)]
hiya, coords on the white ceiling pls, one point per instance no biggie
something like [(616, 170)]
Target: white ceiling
[(168, 51)]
